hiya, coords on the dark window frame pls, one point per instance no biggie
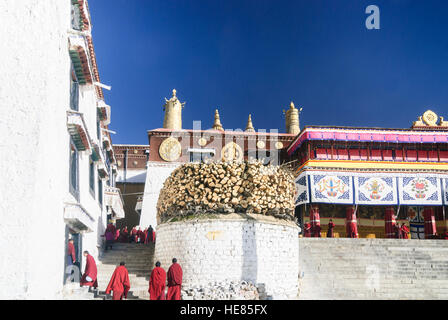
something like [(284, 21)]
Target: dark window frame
[(92, 177), (74, 171)]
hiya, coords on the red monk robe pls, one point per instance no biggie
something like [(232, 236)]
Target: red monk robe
[(124, 235), (174, 282), (445, 235), (143, 236), (111, 228), (134, 234), (405, 231), (71, 251), (154, 237), (146, 236), (91, 272), (330, 232), (119, 283), (307, 230), (157, 284), (139, 235)]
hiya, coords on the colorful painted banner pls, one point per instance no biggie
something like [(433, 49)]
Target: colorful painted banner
[(331, 188), (302, 195), (371, 188), (420, 190), (376, 190)]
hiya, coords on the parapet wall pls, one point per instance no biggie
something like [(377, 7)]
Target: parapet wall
[(264, 252)]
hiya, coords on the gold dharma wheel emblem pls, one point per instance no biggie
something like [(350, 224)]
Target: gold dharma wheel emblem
[(232, 152), (202, 142), (278, 145), (170, 149), (430, 118), (260, 144)]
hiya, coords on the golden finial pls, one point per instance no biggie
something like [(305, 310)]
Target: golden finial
[(174, 92), (217, 124), (250, 127), (291, 106)]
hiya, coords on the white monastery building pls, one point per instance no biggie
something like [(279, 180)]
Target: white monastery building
[(56, 153)]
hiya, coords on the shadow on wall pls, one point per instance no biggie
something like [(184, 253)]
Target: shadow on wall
[(100, 240), (250, 257)]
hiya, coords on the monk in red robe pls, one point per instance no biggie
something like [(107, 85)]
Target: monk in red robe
[(71, 253), (307, 230), (140, 235), (134, 234), (111, 228), (316, 231), (90, 274), (445, 234), (143, 236), (330, 231), (157, 283), (174, 281), (124, 235), (150, 234), (404, 231), (119, 283)]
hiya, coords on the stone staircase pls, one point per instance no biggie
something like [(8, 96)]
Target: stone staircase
[(357, 269), (139, 262)]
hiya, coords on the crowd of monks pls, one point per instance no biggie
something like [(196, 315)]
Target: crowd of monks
[(119, 283), (136, 235)]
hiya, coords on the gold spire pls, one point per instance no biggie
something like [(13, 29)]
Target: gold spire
[(250, 126), (292, 119), (173, 112), (217, 124)]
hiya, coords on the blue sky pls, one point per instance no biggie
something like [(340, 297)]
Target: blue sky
[(256, 56)]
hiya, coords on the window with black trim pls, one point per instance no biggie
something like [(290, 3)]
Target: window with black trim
[(100, 192), (74, 91), (74, 172), (92, 177)]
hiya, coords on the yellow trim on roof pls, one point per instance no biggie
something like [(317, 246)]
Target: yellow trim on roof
[(357, 164)]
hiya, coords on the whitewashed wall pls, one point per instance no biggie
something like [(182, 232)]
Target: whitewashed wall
[(34, 96), (34, 148), (156, 174), (232, 250)]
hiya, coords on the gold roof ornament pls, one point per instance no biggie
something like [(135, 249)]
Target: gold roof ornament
[(292, 119), (173, 112), (170, 149), (249, 126), (430, 119), (217, 124)]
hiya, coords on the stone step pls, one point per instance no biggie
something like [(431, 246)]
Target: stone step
[(342, 269)]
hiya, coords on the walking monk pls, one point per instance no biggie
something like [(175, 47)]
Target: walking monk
[(404, 231), (71, 258), (89, 276), (330, 232), (157, 283), (307, 230), (119, 283), (174, 281), (151, 234)]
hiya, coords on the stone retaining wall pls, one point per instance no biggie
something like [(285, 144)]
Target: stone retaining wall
[(265, 253)]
